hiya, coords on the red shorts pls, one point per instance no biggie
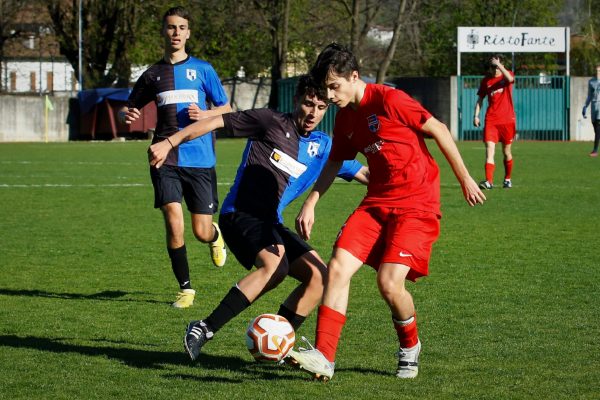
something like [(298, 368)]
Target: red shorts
[(377, 235), (504, 133)]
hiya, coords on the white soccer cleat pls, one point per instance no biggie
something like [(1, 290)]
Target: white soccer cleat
[(408, 361), (312, 361)]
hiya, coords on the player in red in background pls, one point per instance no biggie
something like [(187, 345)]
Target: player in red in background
[(397, 222), (500, 123)]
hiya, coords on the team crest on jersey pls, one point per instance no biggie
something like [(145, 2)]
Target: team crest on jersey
[(373, 123), (313, 149), (190, 74)]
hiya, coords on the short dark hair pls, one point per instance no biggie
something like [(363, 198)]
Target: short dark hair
[(177, 11), (334, 58), (498, 56), (308, 86)]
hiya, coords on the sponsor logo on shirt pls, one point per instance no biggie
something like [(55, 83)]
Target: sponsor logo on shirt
[(176, 97), (313, 149), (190, 74), (497, 91), (374, 147), (373, 123), (286, 163)]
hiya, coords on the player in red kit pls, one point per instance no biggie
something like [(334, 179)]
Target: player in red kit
[(397, 222), (500, 122)]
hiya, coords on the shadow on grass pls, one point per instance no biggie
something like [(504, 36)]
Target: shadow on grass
[(220, 366), (112, 295), (131, 357), (145, 359)]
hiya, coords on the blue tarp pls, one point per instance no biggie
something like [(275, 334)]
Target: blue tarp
[(89, 98)]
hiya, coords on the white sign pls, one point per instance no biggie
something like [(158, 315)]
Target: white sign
[(486, 39)]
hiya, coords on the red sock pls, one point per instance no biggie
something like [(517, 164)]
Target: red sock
[(508, 168), (407, 333), (329, 330), (489, 172)]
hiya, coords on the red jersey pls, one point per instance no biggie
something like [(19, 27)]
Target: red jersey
[(500, 102), (386, 129)]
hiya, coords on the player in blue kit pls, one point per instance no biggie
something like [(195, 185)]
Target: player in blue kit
[(182, 87), (283, 158)]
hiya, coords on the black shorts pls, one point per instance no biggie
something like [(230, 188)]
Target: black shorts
[(246, 235), (198, 186)]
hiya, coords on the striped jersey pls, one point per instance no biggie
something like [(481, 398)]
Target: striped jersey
[(278, 163), (174, 87)]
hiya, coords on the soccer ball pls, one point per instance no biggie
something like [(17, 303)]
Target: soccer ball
[(270, 337)]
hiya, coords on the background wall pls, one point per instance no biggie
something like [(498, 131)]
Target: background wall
[(22, 117)]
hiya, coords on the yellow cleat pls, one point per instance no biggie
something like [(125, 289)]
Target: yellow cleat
[(217, 249), (185, 298)]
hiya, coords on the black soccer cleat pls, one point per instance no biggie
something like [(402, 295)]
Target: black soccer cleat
[(486, 185), (196, 335)]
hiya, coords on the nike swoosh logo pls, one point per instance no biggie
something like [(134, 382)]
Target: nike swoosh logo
[(403, 254), (210, 205)]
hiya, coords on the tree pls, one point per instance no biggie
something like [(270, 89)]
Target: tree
[(275, 15), (431, 49), (8, 12), (585, 53), (108, 33), (362, 14), (401, 16)]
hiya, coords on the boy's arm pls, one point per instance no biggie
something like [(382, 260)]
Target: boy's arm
[(588, 100), (306, 217), (197, 114), (362, 176), (128, 115), (478, 104), (157, 153), (507, 75), (443, 138)]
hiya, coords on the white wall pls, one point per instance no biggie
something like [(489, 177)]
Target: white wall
[(23, 119), (61, 70), (581, 129)]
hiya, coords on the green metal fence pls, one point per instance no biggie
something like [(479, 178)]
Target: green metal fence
[(541, 105), (287, 89)]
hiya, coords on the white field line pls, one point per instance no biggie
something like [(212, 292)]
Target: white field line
[(98, 185)]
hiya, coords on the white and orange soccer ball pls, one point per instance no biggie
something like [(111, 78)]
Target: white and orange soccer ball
[(270, 337)]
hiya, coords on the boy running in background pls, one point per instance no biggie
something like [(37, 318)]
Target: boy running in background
[(182, 86)]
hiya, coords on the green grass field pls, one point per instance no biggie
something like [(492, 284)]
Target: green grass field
[(510, 310)]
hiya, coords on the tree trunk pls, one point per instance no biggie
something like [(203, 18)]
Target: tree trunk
[(279, 27), (391, 49)]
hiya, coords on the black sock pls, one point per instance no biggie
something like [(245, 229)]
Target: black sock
[(179, 264), (232, 304), (294, 319), (214, 239)]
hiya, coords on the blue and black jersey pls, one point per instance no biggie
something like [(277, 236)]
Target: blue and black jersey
[(174, 87), (278, 163)]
